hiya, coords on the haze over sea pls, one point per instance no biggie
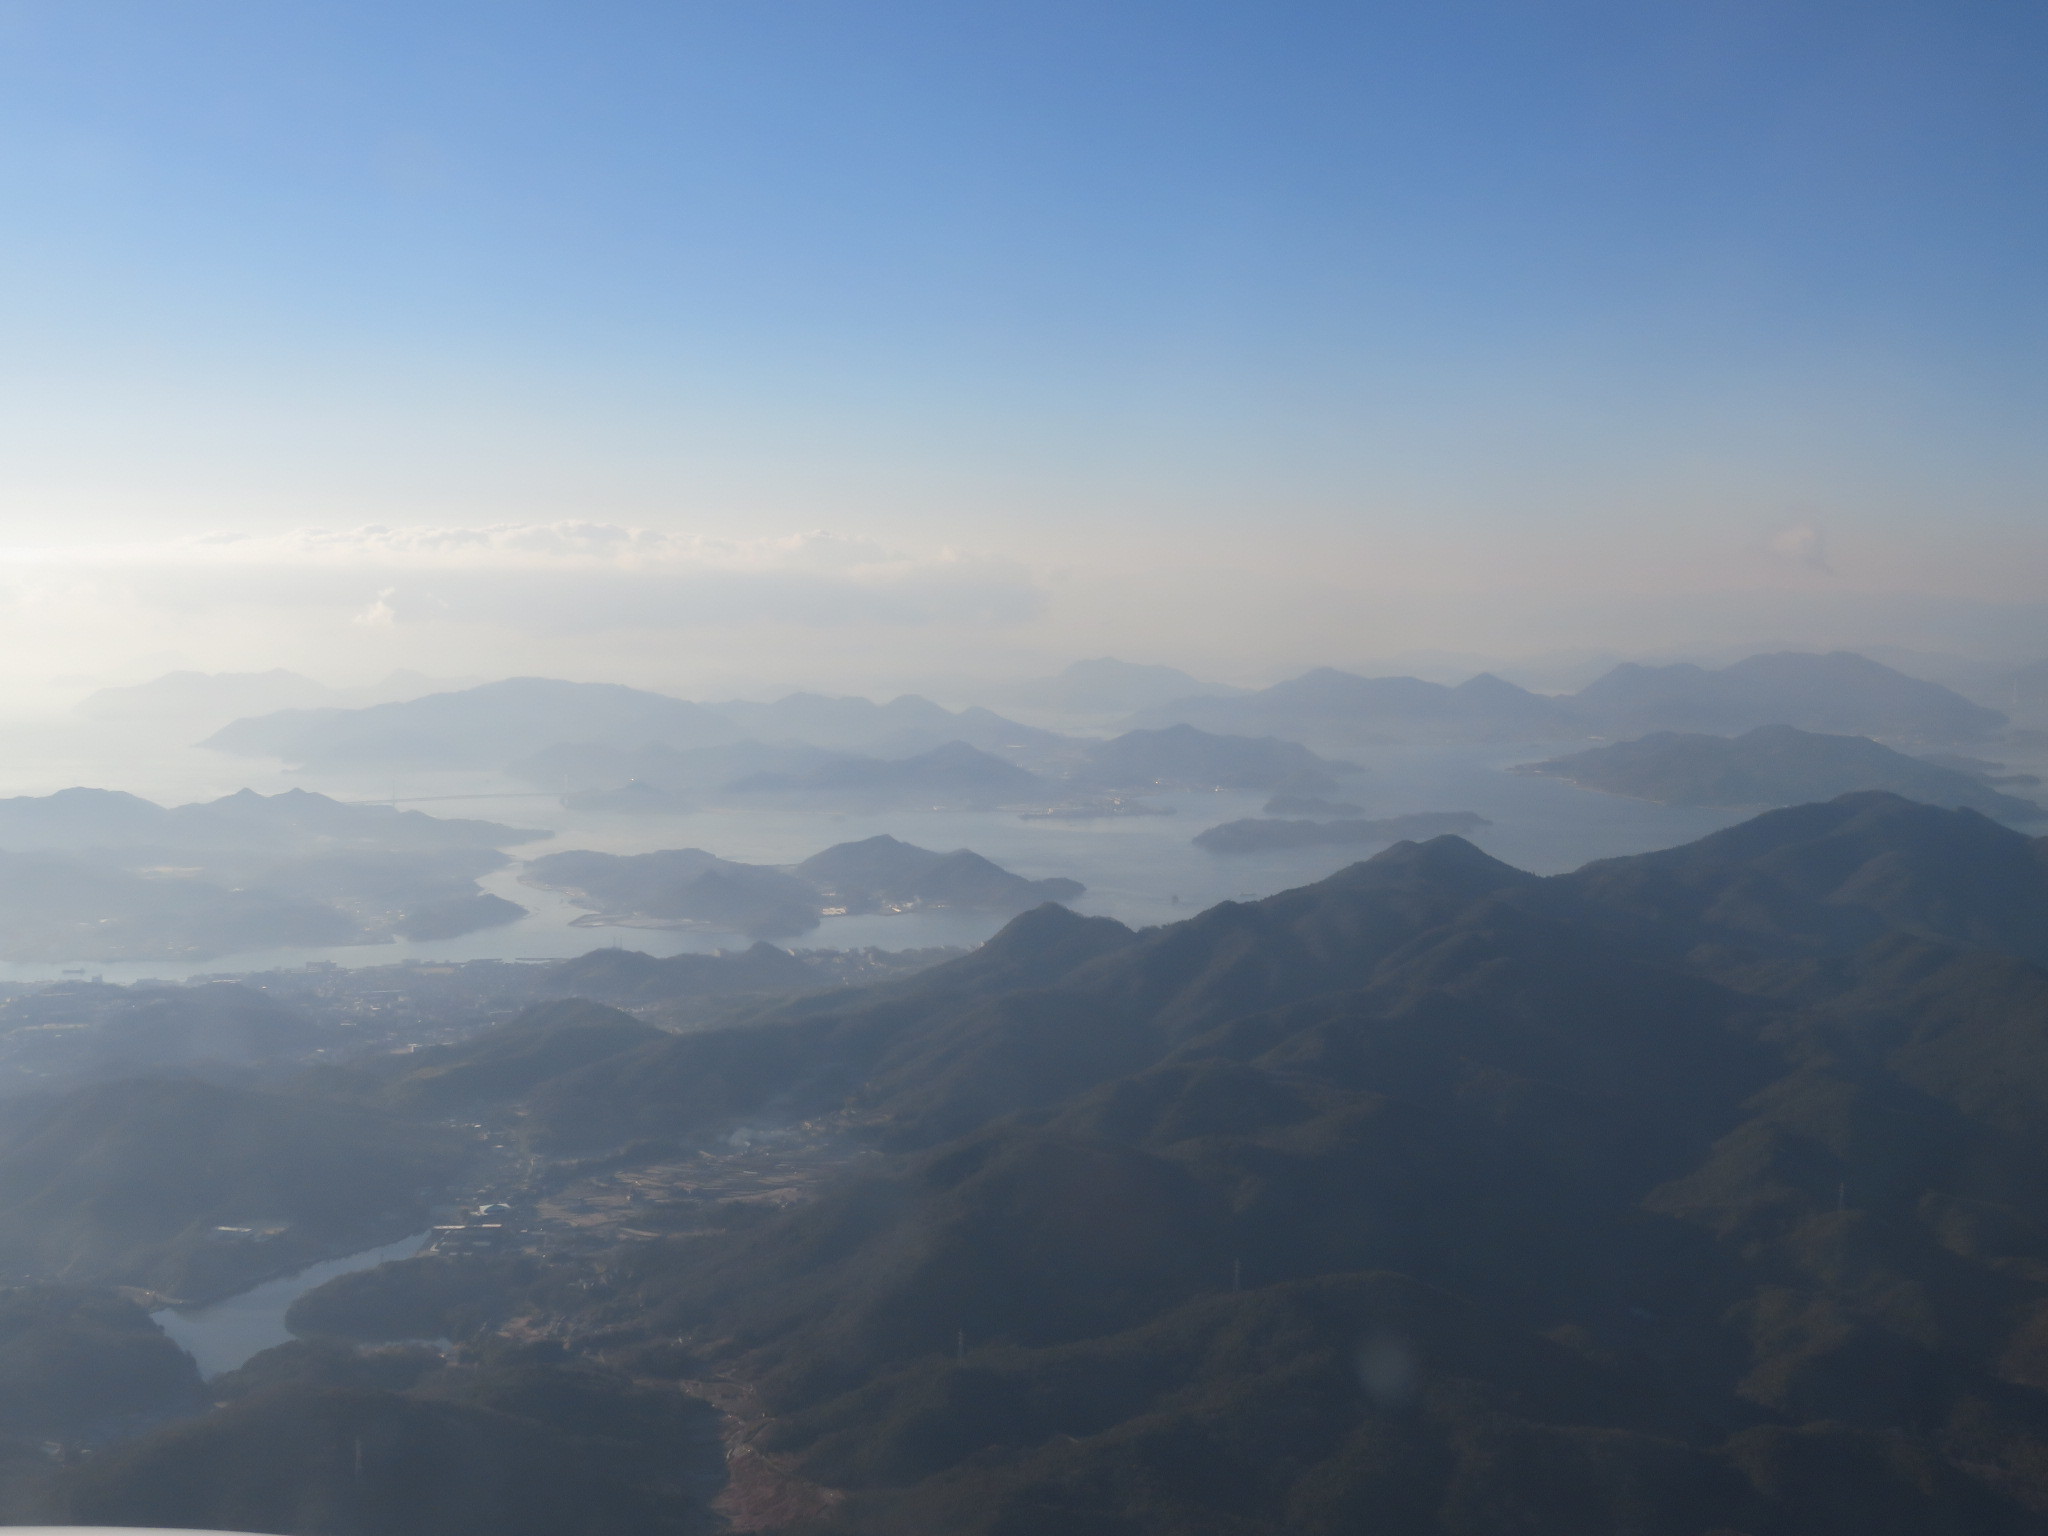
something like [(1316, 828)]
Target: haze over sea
[(1134, 867), (1273, 767)]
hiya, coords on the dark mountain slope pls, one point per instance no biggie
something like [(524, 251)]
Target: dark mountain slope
[(80, 1031), (1047, 1007), (1731, 1157), (501, 1064), (1120, 1014), (1694, 1193), (1352, 1403), (77, 1364), (629, 974), (1396, 1128), (345, 1460), (1010, 1026), (807, 1057), (123, 1182), (1830, 876)]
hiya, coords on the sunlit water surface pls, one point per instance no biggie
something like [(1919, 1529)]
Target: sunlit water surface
[(1141, 870), (223, 1334)]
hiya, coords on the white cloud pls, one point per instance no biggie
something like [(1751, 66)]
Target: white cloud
[(576, 577), (380, 613)]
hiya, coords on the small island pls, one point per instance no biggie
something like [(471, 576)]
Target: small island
[(98, 875), (690, 888), (1774, 765)]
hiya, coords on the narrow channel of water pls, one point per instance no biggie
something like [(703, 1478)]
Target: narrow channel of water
[(223, 1334)]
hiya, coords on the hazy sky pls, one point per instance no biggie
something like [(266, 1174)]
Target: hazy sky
[(692, 339)]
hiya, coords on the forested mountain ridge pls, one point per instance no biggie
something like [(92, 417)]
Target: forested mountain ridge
[(1729, 1154), (1695, 1192), (132, 1182)]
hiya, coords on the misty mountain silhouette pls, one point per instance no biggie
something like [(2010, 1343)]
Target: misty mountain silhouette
[(481, 727), (684, 886), (1106, 687), (880, 872), (291, 821), (1329, 705), (1773, 765), (587, 766), (494, 724), (95, 874), (192, 699), (185, 904), (219, 1030), (1182, 756), (902, 727), (954, 774), (1839, 692)]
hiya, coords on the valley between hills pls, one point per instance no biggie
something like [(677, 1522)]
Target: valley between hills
[(1703, 1179), (1696, 1191), (1097, 769)]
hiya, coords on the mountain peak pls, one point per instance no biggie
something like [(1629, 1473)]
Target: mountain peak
[(1836, 692), (957, 754), (1448, 857), (1837, 872), (1490, 684), (1051, 936)]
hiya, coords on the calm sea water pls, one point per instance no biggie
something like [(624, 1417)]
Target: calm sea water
[(1141, 870)]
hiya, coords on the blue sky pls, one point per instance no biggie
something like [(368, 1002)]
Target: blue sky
[(1165, 305)]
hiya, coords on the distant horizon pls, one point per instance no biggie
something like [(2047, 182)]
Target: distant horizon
[(1296, 1089), (1549, 675), (817, 613), (717, 344)]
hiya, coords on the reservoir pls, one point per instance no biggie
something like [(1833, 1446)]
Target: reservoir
[(223, 1334)]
